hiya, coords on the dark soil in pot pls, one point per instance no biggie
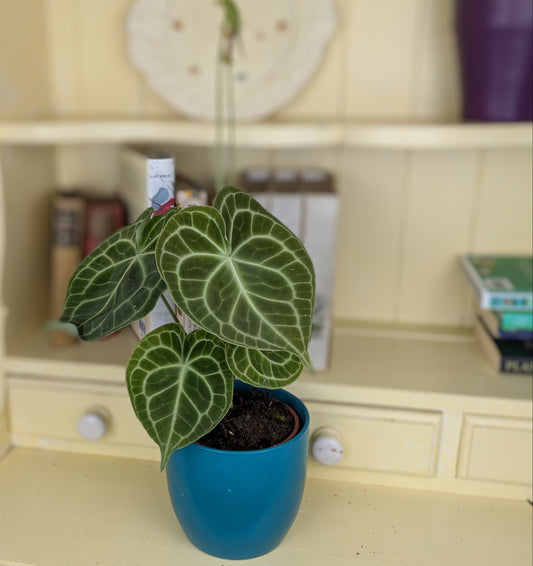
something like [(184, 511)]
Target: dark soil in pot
[(255, 420)]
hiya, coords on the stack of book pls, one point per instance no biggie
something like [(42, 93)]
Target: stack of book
[(504, 321)]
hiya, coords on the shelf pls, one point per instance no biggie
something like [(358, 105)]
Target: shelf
[(35, 357), (269, 134), (418, 368), (371, 364)]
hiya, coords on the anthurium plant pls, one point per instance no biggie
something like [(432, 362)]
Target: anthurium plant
[(234, 270)]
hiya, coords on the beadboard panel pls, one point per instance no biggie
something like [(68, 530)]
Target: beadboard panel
[(380, 63), (88, 61), (371, 188), (90, 167), (65, 56), (436, 228), (404, 217), (109, 78), (23, 93), (435, 83), (388, 60), (502, 221)]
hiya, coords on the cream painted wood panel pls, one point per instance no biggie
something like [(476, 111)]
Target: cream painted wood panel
[(88, 167), (438, 213), (109, 78), (405, 217), (371, 186), (91, 72), (24, 80), (382, 439), (496, 449), (502, 221), (381, 57), (65, 56), (435, 84)]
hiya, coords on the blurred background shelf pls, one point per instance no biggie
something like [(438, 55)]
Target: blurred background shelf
[(270, 134)]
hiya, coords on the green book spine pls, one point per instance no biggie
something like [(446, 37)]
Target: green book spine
[(515, 321), (503, 283)]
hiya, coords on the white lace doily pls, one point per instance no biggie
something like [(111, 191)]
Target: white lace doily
[(174, 44)]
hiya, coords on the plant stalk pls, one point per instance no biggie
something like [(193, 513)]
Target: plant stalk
[(169, 308)]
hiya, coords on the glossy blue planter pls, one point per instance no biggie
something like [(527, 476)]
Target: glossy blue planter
[(238, 505)]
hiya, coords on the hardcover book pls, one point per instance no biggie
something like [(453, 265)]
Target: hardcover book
[(505, 327), (65, 255), (505, 356), (500, 282)]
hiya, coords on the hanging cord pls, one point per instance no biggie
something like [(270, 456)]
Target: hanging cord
[(225, 141)]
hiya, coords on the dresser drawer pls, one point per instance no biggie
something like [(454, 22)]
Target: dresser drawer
[(496, 449), (46, 413), (381, 439)]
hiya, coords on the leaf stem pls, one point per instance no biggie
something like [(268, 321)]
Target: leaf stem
[(230, 124), (169, 308), (219, 126)]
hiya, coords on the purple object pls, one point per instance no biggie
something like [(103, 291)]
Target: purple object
[(496, 59)]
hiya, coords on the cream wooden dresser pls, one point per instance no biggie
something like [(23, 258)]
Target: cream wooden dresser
[(436, 464)]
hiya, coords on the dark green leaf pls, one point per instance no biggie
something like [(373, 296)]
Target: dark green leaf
[(237, 271), (270, 369), (118, 283), (180, 386)]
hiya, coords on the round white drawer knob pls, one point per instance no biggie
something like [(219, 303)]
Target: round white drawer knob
[(93, 425), (326, 446)]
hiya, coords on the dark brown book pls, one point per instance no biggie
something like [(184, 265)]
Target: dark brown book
[(65, 255)]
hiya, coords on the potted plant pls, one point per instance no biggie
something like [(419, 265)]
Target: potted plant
[(248, 283)]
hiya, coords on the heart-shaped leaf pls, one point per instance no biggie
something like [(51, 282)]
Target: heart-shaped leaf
[(179, 385), (260, 368), (236, 270), (118, 283)]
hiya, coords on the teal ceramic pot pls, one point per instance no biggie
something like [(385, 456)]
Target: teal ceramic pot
[(238, 505)]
